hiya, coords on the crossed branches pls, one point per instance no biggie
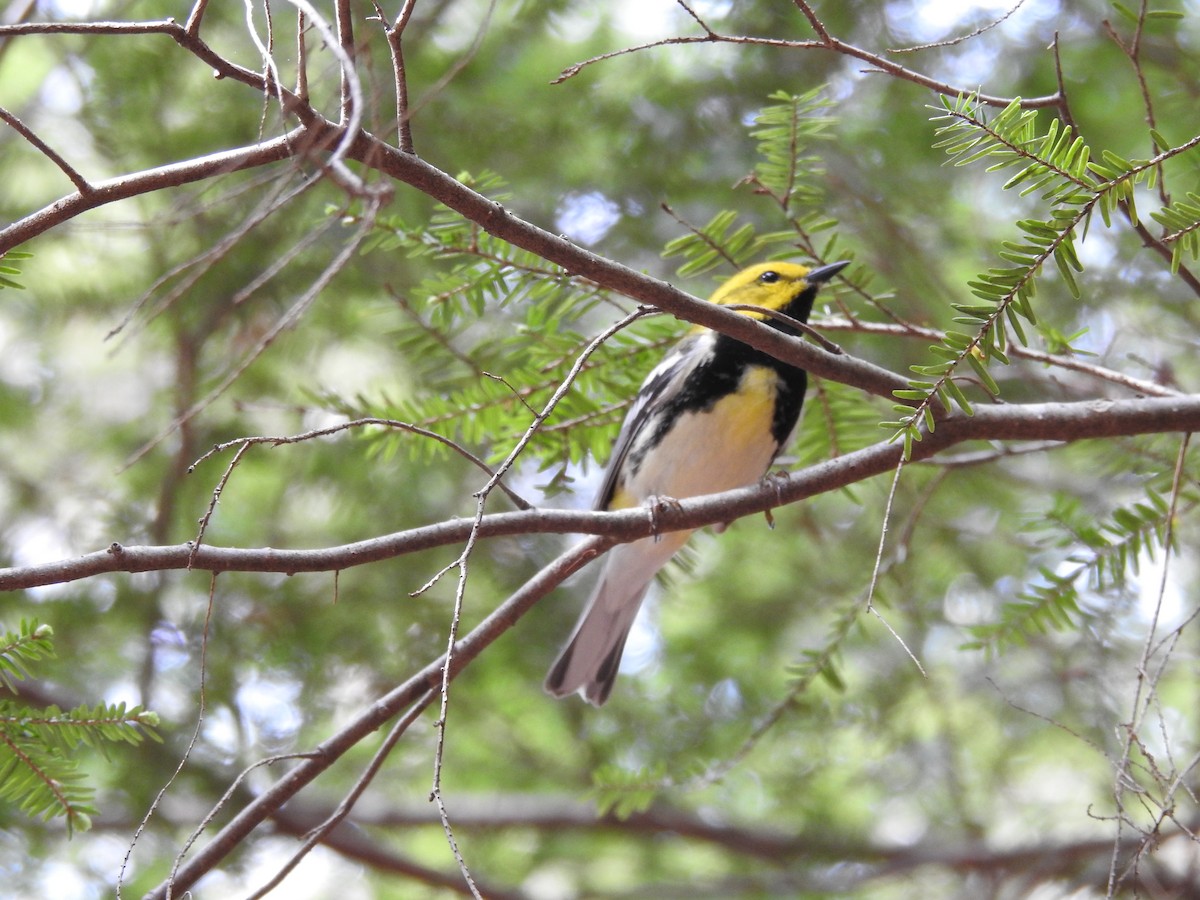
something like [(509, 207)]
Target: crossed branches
[(328, 143)]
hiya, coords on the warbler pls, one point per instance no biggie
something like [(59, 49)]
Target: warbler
[(712, 416)]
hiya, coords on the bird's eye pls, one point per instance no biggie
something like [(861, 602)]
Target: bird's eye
[(769, 277)]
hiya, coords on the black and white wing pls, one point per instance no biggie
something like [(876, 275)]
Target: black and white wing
[(664, 382)]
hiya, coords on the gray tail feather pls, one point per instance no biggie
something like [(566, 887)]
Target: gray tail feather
[(591, 658)]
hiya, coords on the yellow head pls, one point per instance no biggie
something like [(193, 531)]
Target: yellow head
[(785, 287)]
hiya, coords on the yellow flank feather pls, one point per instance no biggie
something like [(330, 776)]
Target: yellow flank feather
[(623, 499), (726, 446), (747, 414)]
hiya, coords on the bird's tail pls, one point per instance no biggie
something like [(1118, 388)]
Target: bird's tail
[(589, 661)]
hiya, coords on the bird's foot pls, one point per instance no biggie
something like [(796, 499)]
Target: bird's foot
[(654, 506), (777, 478)]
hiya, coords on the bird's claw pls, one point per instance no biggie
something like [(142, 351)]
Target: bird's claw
[(655, 505)]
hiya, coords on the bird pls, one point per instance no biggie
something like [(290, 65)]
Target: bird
[(710, 417)]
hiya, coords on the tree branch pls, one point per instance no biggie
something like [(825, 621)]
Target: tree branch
[(320, 134), (1065, 422), (395, 40), (770, 845), (824, 41), (126, 186), (428, 679), (351, 843), (1058, 360), (345, 35), (1047, 422), (501, 223), (46, 150)]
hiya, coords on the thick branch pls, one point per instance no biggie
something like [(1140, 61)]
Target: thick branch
[(486, 213), (1063, 421), (501, 223), (406, 167), (1035, 421)]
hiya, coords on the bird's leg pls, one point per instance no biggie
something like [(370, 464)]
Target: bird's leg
[(654, 505), (777, 478)]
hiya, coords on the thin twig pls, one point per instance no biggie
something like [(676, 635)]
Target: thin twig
[(395, 41), (301, 56), (878, 566), (518, 501), (695, 16), (825, 41), (16, 11), (1058, 360), (437, 335), (827, 345), (187, 752), (345, 36), (712, 245), (266, 52), (951, 42), (318, 834), (1132, 52), (1054, 723), (514, 391), (463, 561), (1146, 684), (195, 17), (986, 457), (266, 100), (81, 183), (286, 321), (148, 181), (814, 20), (1064, 106), (353, 110), (198, 266), (228, 795), (281, 262), (376, 714), (216, 496)]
